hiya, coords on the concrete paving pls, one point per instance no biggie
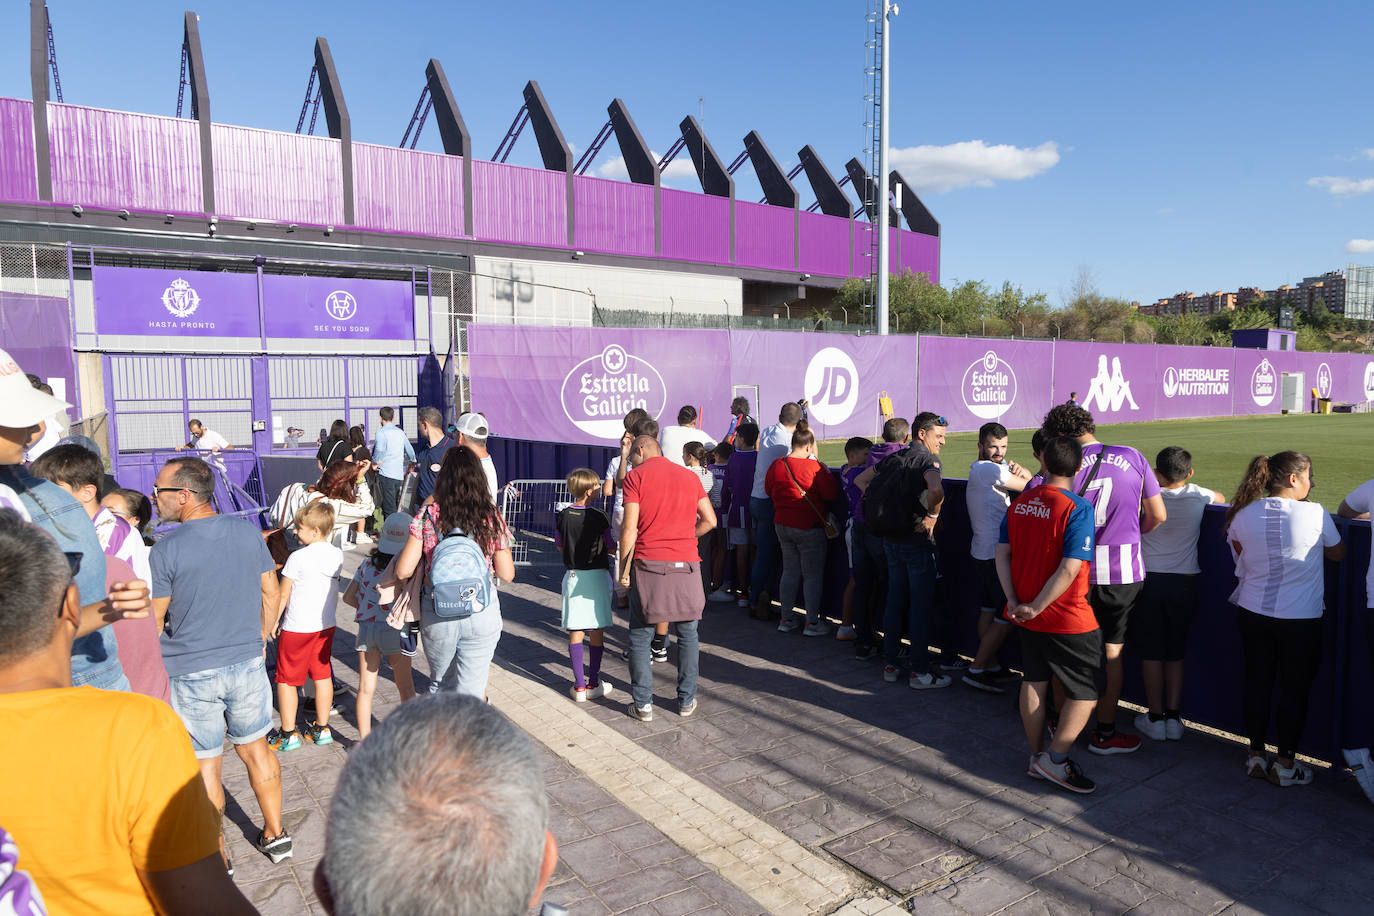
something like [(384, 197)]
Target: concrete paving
[(805, 784)]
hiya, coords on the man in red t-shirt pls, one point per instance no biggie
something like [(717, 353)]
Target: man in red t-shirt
[(666, 510), (1042, 562)]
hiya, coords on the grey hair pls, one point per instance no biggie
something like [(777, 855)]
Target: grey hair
[(440, 812), (33, 577), (195, 475)]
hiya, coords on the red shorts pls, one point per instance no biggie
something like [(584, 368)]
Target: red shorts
[(302, 656)]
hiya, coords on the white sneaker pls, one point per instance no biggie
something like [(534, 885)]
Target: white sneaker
[(1361, 768), (579, 694), (1152, 729), (1173, 729), (816, 629), (929, 681), (600, 690), (720, 594)]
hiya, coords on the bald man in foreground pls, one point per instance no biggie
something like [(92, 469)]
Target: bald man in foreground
[(666, 510)]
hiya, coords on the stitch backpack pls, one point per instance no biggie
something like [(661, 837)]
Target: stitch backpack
[(459, 577)]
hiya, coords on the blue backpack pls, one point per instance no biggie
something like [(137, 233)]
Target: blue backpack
[(460, 579)]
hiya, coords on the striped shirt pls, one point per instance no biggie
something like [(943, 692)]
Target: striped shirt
[(1123, 480)]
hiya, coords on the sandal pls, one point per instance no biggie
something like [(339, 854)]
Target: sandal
[(1257, 767)]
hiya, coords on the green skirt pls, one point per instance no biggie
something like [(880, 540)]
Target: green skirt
[(586, 599)]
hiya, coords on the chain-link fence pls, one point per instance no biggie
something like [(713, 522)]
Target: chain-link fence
[(39, 270), (635, 318)]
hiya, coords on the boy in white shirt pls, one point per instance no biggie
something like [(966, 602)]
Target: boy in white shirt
[(305, 626), (1164, 611)]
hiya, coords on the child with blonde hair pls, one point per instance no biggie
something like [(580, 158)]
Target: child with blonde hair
[(584, 536), (305, 625)]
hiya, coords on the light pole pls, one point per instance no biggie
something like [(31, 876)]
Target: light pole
[(880, 205)]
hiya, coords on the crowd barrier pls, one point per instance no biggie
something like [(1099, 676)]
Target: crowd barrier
[(1342, 705)]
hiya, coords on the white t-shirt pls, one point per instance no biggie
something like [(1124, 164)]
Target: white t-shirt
[(314, 574), (987, 500), (1172, 546), (489, 468), (1280, 565), (52, 433), (10, 500), (774, 443), (611, 470), (133, 551), (1361, 499), (210, 440), (672, 438)]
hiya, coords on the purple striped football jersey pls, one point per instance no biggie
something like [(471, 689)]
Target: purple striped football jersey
[(1122, 482)]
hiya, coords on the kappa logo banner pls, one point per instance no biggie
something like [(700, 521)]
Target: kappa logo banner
[(1109, 390)]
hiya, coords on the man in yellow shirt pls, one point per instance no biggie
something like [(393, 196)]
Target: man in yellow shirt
[(118, 822)]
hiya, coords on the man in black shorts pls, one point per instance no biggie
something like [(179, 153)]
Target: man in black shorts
[(1045, 550)]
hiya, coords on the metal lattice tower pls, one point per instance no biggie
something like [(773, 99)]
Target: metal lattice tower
[(876, 209)]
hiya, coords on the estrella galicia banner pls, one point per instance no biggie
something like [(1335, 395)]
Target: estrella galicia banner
[(972, 381), (333, 308), (177, 303)]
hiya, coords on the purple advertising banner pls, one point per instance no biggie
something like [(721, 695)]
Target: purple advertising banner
[(972, 381), (576, 384), (1193, 382), (344, 309), (1114, 381), (841, 375), (1259, 380), (182, 303)]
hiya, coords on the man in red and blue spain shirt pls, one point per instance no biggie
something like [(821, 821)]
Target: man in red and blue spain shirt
[(1043, 559)]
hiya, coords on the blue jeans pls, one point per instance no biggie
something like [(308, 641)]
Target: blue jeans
[(767, 553), (459, 651), (236, 697), (910, 595), (642, 672), (870, 580), (388, 495)]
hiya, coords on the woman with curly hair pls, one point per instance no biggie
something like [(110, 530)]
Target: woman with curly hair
[(459, 649)]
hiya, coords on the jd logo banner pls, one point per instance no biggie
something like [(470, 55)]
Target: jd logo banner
[(832, 386), (600, 390), (989, 387), (1109, 391)]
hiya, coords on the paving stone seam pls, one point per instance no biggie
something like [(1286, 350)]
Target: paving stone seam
[(778, 873)]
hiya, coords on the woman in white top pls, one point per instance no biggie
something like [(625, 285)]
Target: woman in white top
[(1278, 542)]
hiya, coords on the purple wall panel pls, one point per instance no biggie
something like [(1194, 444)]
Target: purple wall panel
[(614, 216), (1114, 381), (920, 255), (865, 256), (696, 227), (117, 160), (1258, 380), (397, 190), (1193, 382), (972, 381), (516, 204), (264, 174), (18, 180), (824, 245), (765, 236)]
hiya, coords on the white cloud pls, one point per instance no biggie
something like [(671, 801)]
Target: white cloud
[(1368, 153), (972, 163), (679, 173), (1360, 246), (1342, 187)]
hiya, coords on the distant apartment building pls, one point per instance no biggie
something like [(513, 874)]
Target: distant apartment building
[(1192, 304), (1329, 288)]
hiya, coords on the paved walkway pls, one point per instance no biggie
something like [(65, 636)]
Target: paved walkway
[(805, 784)]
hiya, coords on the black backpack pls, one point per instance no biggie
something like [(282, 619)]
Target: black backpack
[(892, 502)]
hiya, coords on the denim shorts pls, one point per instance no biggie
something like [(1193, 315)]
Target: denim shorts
[(380, 635), (236, 698)]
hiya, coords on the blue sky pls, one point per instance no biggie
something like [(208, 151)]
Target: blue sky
[(1181, 146)]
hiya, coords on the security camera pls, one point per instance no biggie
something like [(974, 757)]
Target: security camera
[(76, 208)]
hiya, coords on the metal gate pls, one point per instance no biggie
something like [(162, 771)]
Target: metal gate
[(153, 398)]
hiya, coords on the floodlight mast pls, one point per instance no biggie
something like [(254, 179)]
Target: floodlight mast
[(879, 213)]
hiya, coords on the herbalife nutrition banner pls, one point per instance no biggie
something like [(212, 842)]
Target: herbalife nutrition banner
[(1193, 382)]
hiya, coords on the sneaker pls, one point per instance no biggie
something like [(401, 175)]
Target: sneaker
[(579, 694), (277, 849), (788, 624), (320, 734), (846, 634), (602, 689), (1065, 775), (816, 629), (278, 740), (1296, 775), (1002, 674), (1154, 729), (1118, 743), (688, 710), (930, 681), (1173, 729), (658, 655), (1257, 767), (228, 866), (890, 673), (984, 681), (955, 665), (865, 652), (904, 651), (1031, 771), (642, 713), (720, 594), (1361, 768), (741, 601)]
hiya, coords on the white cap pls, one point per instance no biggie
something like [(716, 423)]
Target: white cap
[(473, 425), (395, 532), (21, 404)]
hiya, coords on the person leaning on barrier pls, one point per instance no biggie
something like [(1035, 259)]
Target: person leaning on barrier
[(442, 810), (1357, 505)]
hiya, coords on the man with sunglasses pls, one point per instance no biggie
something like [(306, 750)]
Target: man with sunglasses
[(95, 657), (215, 594), (123, 825)]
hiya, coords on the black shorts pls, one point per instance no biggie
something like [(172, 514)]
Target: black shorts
[(1112, 606), (990, 595), (1162, 616), (1074, 658)]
